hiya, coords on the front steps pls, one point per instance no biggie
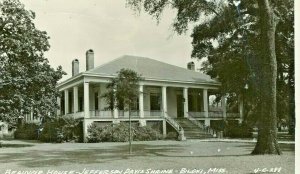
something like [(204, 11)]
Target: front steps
[(192, 131)]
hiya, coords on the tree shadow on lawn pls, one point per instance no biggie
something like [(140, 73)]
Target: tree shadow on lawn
[(42, 158), (283, 147), (15, 145)]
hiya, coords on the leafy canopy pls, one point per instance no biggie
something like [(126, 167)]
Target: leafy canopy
[(225, 37), (123, 90), (27, 81)]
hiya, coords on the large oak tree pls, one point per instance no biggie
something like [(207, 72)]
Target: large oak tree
[(238, 41), (27, 81)]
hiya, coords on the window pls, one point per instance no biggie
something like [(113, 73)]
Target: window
[(155, 101), (81, 104), (96, 101)]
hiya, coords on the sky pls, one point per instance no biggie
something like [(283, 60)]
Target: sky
[(110, 29)]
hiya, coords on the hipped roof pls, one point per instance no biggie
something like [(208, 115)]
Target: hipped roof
[(151, 69)]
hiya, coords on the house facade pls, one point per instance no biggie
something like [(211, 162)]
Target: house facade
[(167, 93)]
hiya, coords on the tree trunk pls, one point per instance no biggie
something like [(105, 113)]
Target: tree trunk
[(130, 131), (267, 133)]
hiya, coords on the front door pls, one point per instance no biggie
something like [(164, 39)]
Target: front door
[(179, 106)]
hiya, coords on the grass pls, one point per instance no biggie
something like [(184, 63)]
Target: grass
[(235, 157)]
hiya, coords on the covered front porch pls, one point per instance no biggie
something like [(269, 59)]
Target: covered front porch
[(84, 100)]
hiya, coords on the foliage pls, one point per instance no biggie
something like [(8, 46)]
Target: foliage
[(27, 82), (62, 129), (146, 133), (122, 91), (238, 131), (227, 63), (238, 42), (120, 133), (27, 131), (219, 125), (232, 129), (172, 136), (49, 132)]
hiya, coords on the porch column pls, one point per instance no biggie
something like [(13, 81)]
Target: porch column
[(241, 108), (86, 100), (223, 100), (141, 101), (186, 102), (205, 107), (92, 101), (75, 98), (164, 99), (99, 97), (66, 102), (164, 128), (116, 112), (58, 101)]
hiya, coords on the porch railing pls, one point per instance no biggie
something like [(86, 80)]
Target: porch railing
[(121, 114), (197, 114), (101, 113), (213, 114), (153, 113), (232, 115), (125, 114), (76, 115)]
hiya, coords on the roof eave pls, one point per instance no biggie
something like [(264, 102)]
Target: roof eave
[(216, 83), (78, 76)]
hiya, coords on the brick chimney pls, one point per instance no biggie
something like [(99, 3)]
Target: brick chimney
[(89, 59), (191, 66), (75, 67)]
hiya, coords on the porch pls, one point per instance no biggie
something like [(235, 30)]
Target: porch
[(163, 104), (85, 100)]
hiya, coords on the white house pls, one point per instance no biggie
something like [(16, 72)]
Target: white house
[(168, 94)]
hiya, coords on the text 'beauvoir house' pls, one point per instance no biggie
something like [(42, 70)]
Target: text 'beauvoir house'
[(170, 96)]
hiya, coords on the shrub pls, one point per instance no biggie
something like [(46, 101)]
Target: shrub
[(232, 129), (108, 133), (61, 129), (172, 136), (71, 129), (120, 133), (27, 131), (146, 133), (238, 131), (94, 131), (49, 132), (218, 125)]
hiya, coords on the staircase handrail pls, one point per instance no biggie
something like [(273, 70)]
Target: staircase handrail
[(201, 125), (176, 126), (173, 123)]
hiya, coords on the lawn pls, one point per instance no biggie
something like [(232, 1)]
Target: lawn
[(176, 157)]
